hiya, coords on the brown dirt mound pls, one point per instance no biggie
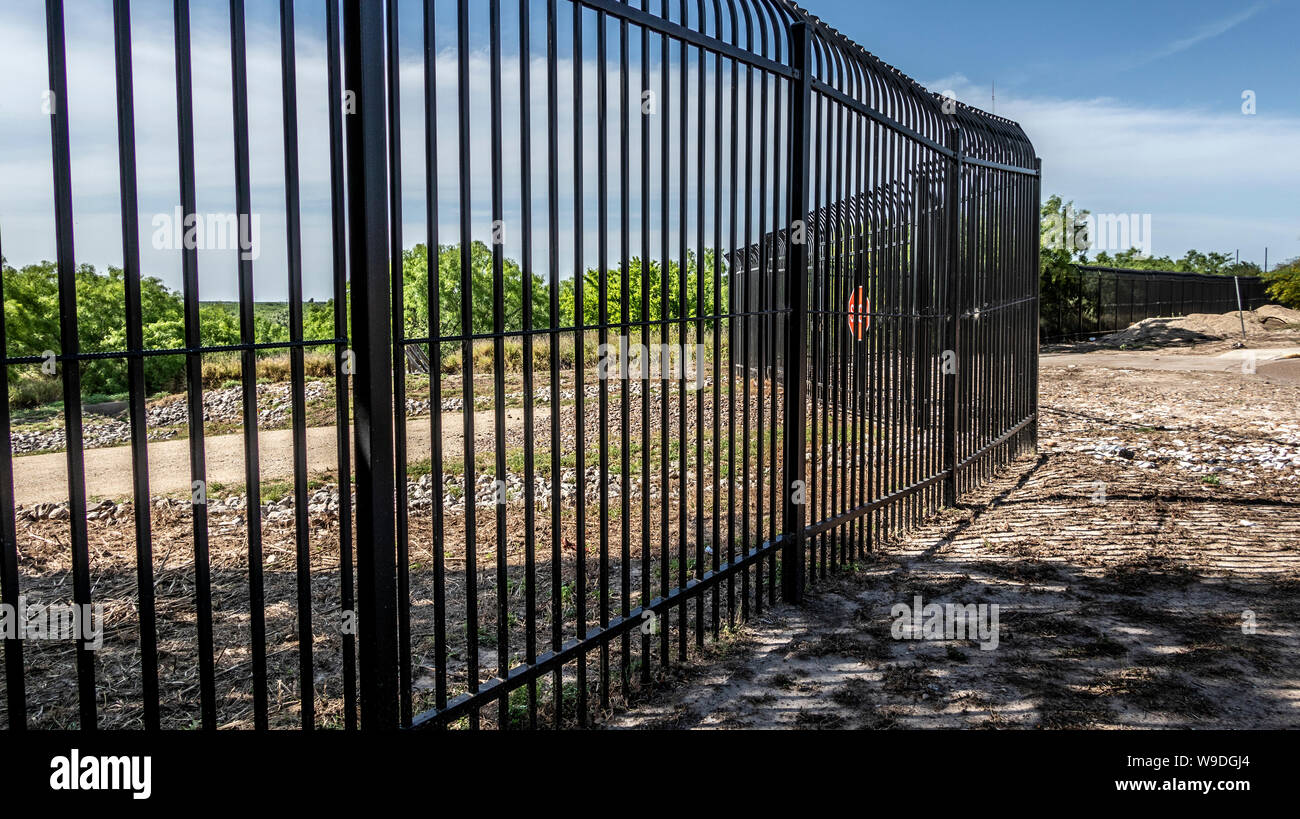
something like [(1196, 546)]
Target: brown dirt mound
[(1275, 315), (1207, 326)]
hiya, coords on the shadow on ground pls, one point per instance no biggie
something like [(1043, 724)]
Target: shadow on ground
[(1149, 609)]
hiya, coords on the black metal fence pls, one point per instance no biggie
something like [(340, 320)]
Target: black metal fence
[(1091, 300), (665, 456)]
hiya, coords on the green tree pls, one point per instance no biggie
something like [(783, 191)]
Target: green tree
[(1062, 246), (690, 304), (415, 292), (1213, 263), (1284, 283), (32, 322)]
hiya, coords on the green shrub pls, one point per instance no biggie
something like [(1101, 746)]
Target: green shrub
[(1284, 284), (30, 389)]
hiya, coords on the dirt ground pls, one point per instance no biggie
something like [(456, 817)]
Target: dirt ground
[(44, 478), (498, 576), (1146, 566), (1159, 518)]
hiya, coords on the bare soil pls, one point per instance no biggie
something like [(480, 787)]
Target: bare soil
[(1168, 599), (1271, 325), (1120, 612), (480, 641)]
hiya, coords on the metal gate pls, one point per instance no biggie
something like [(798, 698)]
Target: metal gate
[(713, 303)]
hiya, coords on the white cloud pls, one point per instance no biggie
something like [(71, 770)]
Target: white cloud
[(1212, 180), (26, 209), (1207, 32)]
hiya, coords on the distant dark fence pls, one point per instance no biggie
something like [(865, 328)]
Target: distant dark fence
[(1095, 300)]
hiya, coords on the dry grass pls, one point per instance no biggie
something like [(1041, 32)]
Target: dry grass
[(221, 369)]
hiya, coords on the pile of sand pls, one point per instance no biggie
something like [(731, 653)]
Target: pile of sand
[(1208, 326), (1277, 317)]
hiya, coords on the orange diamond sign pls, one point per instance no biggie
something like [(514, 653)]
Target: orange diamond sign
[(859, 313)]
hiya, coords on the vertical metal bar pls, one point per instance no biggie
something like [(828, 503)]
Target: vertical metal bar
[(579, 365), (834, 296), (297, 376), (402, 496), (697, 388), (1132, 288), (735, 279), (602, 387), (625, 431), (70, 347), (1236, 284), (937, 304), (530, 437), (553, 234), (135, 363), (665, 301), (952, 338), (434, 273), (194, 369), (683, 306), (747, 282), (850, 246), (1115, 325), (780, 173), (248, 367), (15, 679), (888, 233), (840, 328), (1036, 243), (968, 186), (860, 359), (994, 286), (914, 320), (716, 316), (816, 492), (898, 413), (342, 354), (762, 287), (877, 340), (498, 361), (467, 351), (367, 147), (981, 405), (647, 579), (796, 292)]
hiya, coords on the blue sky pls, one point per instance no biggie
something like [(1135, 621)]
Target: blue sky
[(1159, 53), (1134, 108)]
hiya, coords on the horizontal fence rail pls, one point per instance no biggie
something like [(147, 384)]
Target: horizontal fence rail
[(1092, 300), (642, 316)]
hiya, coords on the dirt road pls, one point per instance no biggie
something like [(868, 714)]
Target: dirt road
[(1229, 361), (1145, 566), (44, 478)]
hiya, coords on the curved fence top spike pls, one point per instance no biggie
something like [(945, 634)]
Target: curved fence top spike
[(845, 66), (885, 89)]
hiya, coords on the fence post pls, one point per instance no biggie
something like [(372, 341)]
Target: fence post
[(1236, 283), (951, 379), (1037, 233), (794, 459), (372, 389)]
